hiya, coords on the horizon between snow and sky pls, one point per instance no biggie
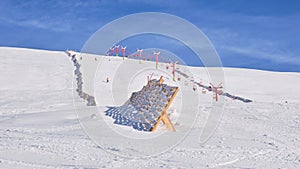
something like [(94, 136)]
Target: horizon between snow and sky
[(246, 34)]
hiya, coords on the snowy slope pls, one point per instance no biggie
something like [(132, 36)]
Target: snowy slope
[(39, 126)]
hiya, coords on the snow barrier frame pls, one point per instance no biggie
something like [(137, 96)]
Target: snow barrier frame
[(143, 111), (164, 117)]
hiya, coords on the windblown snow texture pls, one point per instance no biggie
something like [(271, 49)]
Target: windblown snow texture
[(144, 107), (39, 128), (90, 99)]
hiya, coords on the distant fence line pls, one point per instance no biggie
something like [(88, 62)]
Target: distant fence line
[(88, 98), (209, 88)]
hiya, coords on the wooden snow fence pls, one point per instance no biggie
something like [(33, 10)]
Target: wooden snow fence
[(146, 108)]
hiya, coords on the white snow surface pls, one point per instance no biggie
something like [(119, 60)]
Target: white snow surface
[(39, 126)]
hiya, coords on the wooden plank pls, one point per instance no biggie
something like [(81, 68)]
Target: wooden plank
[(164, 116), (161, 80)]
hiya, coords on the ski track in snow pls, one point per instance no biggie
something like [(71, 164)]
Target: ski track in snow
[(39, 127)]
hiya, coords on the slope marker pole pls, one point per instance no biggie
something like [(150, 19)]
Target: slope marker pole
[(216, 90)]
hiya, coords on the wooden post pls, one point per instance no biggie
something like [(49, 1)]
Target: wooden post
[(156, 58), (123, 51), (164, 116), (161, 80), (111, 51), (139, 54), (173, 69), (117, 49), (149, 77)]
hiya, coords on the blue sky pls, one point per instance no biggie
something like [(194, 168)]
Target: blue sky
[(250, 34)]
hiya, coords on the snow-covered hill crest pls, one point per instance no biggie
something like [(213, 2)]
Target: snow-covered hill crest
[(39, 126)]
